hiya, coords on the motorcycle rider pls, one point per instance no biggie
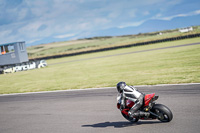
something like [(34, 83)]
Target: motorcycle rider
[(131, 93)]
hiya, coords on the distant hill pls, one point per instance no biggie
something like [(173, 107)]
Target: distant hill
[(148, 26), (152, 26)]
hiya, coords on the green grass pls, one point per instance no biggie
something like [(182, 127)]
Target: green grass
[(166, 66), (98, 43)]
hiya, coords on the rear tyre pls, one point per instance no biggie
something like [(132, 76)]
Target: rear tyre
[(164, 113), (132, 120)]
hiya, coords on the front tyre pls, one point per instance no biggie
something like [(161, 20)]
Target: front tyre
[(132, 120), (164, 113)]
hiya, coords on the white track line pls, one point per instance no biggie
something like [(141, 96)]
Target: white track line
[(42, 92)]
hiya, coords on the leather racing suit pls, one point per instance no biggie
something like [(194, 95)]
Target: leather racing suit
[(134, 95)]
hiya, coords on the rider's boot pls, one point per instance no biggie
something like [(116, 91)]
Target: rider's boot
[(146, 114), (133, 114)]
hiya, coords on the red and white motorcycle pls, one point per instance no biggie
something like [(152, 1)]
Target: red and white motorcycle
[(156, 111)]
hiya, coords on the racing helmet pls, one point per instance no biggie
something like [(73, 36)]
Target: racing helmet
[(121, 86)]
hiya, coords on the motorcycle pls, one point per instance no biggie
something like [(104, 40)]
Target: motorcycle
[(154, 110)]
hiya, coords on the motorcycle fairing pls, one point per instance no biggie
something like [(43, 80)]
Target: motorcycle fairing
[(148, 98)]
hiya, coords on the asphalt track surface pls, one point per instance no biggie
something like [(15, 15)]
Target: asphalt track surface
[(94, 111)]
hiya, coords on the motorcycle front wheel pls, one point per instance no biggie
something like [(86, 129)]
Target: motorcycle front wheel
[(164, 113), (132, 120)]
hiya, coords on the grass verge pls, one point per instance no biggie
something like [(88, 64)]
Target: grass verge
[(76, 46), (166, 66)]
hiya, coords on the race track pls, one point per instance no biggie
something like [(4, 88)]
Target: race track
[(94, 111)]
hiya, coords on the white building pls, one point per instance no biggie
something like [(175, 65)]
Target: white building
[(186, 29)]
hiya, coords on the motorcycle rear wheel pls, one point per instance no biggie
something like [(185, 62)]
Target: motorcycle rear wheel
[(164, 113), (132, 120)]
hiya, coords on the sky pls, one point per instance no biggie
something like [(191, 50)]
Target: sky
[(44, 21)]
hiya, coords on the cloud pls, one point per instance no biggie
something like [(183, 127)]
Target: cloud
[(42, 27), (5, 33), (64, 36), (131, 24), (32, 41), (33, 20), (197, 12)]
